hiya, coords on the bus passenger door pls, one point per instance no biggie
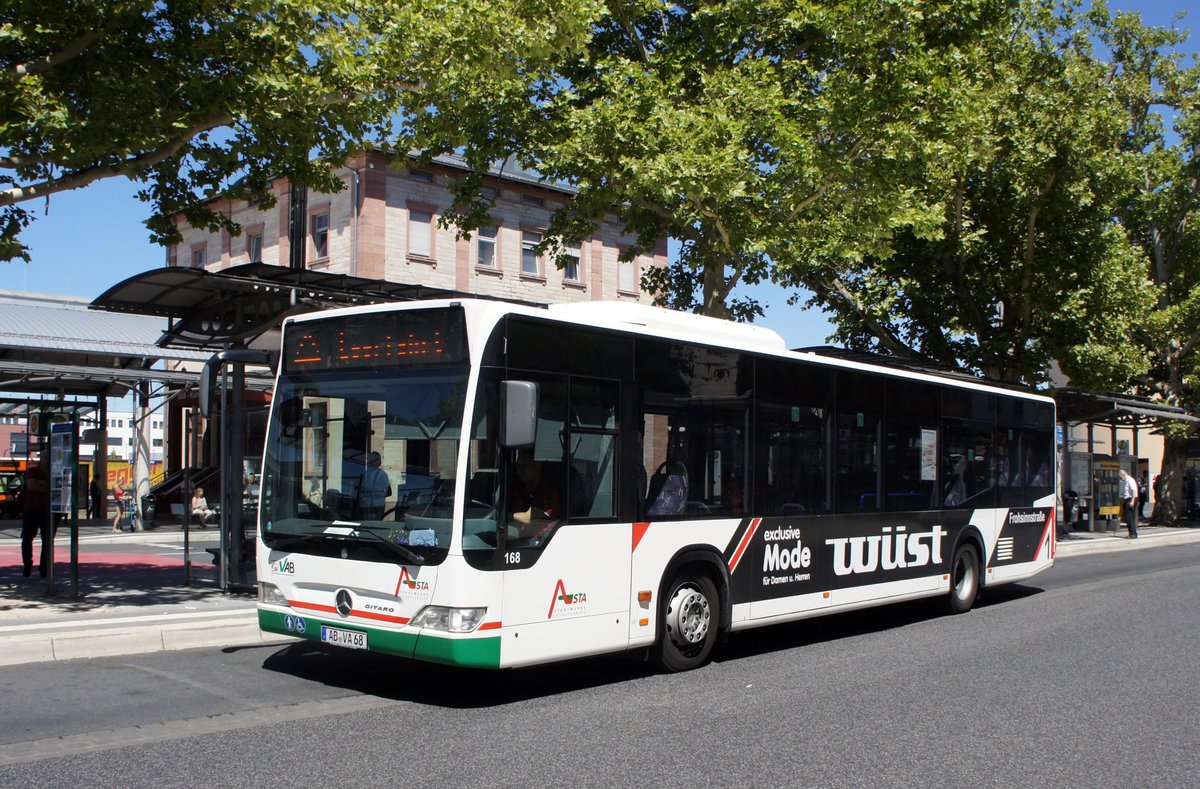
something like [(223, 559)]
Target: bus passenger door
[(567, 592)]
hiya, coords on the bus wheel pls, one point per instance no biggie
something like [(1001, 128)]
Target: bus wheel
[(964, 579), (689, 623)]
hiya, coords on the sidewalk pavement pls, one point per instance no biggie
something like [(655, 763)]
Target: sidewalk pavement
[(133, 598)]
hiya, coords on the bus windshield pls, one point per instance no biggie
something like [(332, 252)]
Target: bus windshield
[(361, 464)]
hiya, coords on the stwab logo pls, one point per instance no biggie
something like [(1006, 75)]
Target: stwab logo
[(284, 566), (888, 551)]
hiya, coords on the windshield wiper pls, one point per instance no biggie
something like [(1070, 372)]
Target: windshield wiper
[(344, 530), (399, 550)]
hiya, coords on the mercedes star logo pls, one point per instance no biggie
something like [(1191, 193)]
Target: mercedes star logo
[(343, 603)]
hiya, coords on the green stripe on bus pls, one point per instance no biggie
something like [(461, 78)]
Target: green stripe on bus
[(467, 652)]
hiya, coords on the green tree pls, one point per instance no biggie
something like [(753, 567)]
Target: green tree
[(1026, 265), (192, 98), (756, 132), (1161, 98)]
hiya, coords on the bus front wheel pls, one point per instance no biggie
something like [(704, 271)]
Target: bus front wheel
[(964, 579), (689, 622)]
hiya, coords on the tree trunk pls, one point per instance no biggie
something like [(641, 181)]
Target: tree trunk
[(1170, 482), (716, 288)]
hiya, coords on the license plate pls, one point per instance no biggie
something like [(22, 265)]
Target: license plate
[(343, 638)]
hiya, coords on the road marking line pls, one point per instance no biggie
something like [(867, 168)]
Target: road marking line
[(112, 739)]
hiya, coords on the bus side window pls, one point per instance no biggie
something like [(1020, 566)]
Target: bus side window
[(593, 442)]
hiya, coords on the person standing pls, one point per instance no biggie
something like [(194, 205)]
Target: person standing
[(1143, 493), (1129, 499), (96, 494), (375, 488), (35, 510), (119, 500)]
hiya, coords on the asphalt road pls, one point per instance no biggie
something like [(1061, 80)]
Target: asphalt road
[(1086, 676)]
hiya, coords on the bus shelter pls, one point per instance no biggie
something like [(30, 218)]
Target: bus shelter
[(1089, 479), (60, 362), (233, 318)]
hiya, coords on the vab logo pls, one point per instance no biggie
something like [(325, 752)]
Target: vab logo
[(561, 596), (410, 583), (343, 602), (285, 566)]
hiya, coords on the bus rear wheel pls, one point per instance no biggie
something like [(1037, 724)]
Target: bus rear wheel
[(689, 620), (964, 579)]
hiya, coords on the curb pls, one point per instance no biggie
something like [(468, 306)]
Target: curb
[(1090, 545), (236, 630)]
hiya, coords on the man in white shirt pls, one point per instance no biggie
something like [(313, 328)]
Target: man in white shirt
[(1129, 508)]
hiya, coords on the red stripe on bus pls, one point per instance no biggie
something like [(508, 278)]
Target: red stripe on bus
[(490, 626), (639, 531), (328, 609), (741, 549), (1045, 534)]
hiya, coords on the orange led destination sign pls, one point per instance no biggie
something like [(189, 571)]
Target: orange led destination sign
[(377, 340)]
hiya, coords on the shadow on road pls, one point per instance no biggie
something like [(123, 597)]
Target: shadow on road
[(400, 679)]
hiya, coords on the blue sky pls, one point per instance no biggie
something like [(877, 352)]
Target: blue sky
[(85, 241)]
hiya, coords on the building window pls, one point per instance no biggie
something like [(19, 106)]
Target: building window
[(531, 262), (199, 256), (573, 271), (485, 247), (254, 247), (533, 200), (420, 233), (423, 176), (627, 276), (320, 235)]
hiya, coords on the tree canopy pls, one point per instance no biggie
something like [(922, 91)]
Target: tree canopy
[(192, 98), (755, 132)]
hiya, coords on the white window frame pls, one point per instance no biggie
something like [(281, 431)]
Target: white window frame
[(485, 243), (254, 240), (529, 240), (576, 254), (320, 234), (627, 269), (420, 232)]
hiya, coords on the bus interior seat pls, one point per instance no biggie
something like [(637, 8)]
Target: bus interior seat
[(668, 489)]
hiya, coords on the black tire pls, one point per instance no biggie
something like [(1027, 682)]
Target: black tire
[(689, 615), (964, 579)]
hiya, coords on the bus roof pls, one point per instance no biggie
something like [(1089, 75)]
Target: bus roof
[(688, 327)]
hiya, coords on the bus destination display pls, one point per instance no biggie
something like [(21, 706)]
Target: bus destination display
[(377, 341)]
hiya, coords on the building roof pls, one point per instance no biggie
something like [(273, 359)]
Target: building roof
[(241, 304), (1081, 407), (54, 344)]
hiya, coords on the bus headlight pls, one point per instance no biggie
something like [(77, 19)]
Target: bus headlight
[(451, 620), (269, 594)]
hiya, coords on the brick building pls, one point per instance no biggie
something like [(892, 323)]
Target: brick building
[(391, 233)]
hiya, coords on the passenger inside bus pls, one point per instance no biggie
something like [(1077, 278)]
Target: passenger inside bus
[(533, 500)]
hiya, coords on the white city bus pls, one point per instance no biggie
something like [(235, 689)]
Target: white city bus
[(604, 477)]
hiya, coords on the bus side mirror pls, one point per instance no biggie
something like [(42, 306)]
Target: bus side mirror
[(518, 413)]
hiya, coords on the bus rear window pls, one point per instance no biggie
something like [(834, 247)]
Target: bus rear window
[(377, 340)]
